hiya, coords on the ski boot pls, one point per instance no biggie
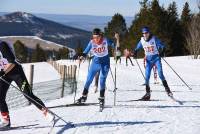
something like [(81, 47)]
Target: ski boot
[(49, 116), (5, 121), (167, 89), (101, 104), (82, 99), (147, 96), (101, 100), (169, 93)]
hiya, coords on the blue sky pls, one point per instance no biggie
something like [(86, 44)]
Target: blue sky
[(86, 7)]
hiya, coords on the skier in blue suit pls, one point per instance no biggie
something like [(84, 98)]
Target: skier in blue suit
[(100, 62), (153, 49)]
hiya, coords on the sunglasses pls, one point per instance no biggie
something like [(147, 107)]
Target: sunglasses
[(145, 33), (95, 36)]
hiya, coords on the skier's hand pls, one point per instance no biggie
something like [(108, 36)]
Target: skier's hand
[(135, 54), (81, 58), (162, 52), (116, 36)]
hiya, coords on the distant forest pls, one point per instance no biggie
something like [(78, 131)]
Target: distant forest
[(180, 33)]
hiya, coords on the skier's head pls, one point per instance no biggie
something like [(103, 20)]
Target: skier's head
[(146, 32), (97, 35), (96, 31), (145, 29)]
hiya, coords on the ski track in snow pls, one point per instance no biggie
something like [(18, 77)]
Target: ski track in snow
[(159, 116)]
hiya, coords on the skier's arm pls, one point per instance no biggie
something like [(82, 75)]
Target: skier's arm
[(111, 43), (85, 52), (117, 39), (87, 49), (160, 46), (7, 54), (138, 47), (9, 67)]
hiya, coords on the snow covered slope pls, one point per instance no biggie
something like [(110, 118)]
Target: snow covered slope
[(159, 116)]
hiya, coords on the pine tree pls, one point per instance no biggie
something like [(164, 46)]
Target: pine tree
[(79, 49), (143, 18), (21, 51), (38, 54), (186, 15), (174, 31), (185, 22), (63, 53), (117, 24)]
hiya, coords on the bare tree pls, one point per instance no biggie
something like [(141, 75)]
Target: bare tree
[(193, 37)]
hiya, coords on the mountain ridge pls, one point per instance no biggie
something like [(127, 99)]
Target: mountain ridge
[(26, 24)]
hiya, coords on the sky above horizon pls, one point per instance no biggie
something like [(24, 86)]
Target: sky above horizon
[(85, 7)]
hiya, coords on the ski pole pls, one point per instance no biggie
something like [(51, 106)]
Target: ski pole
[(33, 100), (115, 83), (112, 76), (79, 65), (177, 74), (89, 63), (140, 68)]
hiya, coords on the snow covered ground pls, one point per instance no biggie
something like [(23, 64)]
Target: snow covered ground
[(159, 116)]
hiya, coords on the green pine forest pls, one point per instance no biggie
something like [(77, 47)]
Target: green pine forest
[(179, 32)]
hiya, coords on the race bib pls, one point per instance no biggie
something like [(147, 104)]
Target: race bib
[(100, 50), (149, 46)]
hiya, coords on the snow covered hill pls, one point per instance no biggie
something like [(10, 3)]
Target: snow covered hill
[(159, 116)]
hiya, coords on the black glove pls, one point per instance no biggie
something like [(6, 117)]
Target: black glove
[(134, 54), (2, 73), (82, 57), (162, 52)]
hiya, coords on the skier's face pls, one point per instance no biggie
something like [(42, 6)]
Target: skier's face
[(146, 35), (96, 38)]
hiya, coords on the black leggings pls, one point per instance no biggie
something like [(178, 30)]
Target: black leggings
[(17, 75)]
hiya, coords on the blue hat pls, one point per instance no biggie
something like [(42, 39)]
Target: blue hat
[(145, 30)]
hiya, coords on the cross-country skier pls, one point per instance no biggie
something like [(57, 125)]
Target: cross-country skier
[(11, 70), (100, 62), (127, 55), (118, 55), (153, 49)]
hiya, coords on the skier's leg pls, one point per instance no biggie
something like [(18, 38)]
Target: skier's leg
[(103, 76), (148, 68), (155, 74), (160, 73), (5, 120), (96, 81), (126, 61), (94, 68), (19, 77), (92, 72)]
